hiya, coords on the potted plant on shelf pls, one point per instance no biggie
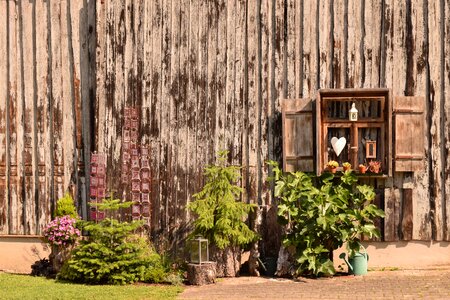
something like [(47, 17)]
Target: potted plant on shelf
[(362, 168), (359, 222), (347, 166), (375, 166), (332, 166)]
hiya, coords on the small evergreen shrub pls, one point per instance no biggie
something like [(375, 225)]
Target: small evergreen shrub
[(220, 213), (112, 253), (65, 207)]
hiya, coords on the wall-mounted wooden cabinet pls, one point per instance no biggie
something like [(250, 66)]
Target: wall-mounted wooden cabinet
[(387, 130)]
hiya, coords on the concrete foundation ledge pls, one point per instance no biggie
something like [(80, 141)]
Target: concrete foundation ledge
[(403, 255), (18, 253)]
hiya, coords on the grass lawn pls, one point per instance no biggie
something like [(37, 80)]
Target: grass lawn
[(29, 287)]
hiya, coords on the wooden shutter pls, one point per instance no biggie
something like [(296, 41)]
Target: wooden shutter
[(298, 135), (409, 119)]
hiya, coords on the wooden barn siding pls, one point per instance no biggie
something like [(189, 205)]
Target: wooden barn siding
[(44, 107), (208, 75)]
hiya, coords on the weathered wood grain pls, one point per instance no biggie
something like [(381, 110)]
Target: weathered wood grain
[(417, 87), (172, 200), (446, 80), (339, 44), (264, 112), (42, 115), (28, 93), (16, 123), (156, 17), (4, 136), (182, 122), (435, 110), (325, 45), (252, 106), (59, 169), (191, 105)]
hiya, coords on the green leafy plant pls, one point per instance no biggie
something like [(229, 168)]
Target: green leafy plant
[(65, 207), (112, 253), (321, 213), (220, 213)]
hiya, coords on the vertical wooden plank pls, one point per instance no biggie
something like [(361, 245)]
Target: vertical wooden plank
[(156, 27), (230, 10), (278, 74), (221, 71), (393, 46), (239, 83), (57, 99), (16, 124), (310, 48), (325, 47), (77, 49), (165, 162), (407, 215), (120, 62), (42, 115), (298, 31), (202, 91), (354, 38), (191, 105), (436, 183), (27, 74), (291, 51), (416, 85), (372, 42), (4, 169), (67, 100), (101, 62), (447, 117), (173, 150), (182, 120), (339, 47), (212, 80), (253, 103), (147, 73), (264, 65)]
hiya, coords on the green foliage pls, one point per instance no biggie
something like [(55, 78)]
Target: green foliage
[(66, 207), (322, 213), (112, 254), (220, 213)]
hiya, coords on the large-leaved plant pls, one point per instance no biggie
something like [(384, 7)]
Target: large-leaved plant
[(321, 213)]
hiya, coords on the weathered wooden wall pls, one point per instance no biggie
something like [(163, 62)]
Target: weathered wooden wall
[(209, 75), (45, 89)]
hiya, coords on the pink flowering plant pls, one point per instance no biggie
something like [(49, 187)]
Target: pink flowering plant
[(61, 231)]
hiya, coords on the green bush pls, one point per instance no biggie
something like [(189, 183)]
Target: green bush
[(220, 213), (112, 254), (65, 206), (321, 213)]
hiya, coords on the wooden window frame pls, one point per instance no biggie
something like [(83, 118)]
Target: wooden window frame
[(323, 122)]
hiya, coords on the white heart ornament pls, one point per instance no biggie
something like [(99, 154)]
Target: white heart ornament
[(338, 144)]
